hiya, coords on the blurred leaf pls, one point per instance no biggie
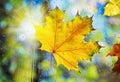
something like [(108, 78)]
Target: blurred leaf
[(45, 64), (112, 8), (92, 73), (116, 52)]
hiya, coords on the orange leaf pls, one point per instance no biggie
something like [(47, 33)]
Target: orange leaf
[(116, 52)]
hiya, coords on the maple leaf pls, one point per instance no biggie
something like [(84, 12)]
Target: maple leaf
[(112, 8), (66, 40), (116, 52)]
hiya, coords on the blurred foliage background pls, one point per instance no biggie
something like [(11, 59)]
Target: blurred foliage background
[(21, 60)]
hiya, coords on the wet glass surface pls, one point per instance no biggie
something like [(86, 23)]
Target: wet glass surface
[(21, 60)]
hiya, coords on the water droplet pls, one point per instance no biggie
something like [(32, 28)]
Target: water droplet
[(21, 37)]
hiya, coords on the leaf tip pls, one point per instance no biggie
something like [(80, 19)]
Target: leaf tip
[(99, 46), (93, 29), (56, 7), (77, 14)]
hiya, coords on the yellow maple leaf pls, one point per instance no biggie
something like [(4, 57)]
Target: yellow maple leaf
[(112, 8), (66, 41)]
